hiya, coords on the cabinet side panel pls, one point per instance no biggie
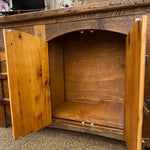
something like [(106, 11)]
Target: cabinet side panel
[(55, 47), (146, 119)]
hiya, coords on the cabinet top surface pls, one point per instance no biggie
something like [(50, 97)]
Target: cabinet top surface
[(90, 8)]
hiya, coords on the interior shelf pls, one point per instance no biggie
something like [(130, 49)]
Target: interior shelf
[(105, 113)]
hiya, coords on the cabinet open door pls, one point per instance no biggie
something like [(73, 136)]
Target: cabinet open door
[(28, 78), (134, 85)]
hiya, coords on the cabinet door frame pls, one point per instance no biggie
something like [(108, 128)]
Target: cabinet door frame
[(134, 83), (29, 82)]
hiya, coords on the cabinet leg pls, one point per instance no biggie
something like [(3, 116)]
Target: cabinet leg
[(2, 116)]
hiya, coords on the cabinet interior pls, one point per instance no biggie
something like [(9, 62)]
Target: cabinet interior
[(87, 75)]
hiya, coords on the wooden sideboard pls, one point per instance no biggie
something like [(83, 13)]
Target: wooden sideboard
[(81, 68)]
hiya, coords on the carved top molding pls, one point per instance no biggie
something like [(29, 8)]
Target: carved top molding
[(90, 8)]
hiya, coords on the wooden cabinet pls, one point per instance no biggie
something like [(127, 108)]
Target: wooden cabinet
[(81, 69)]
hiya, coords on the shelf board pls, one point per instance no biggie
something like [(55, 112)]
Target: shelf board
[(3, 76), (106, 113)]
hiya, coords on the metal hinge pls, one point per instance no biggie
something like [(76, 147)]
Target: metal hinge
[(138, 19), (146, 61), (146, 110)]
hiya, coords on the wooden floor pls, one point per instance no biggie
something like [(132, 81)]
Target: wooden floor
[(105, 113)]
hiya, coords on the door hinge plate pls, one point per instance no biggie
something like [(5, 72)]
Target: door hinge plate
[(146, 61), (146, 110)]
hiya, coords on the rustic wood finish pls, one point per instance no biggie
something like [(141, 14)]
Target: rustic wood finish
[(134, 85), (39, 31), (29, 87), (56, 70), (3, 76), (103, 6), (117, 16), (94, 66), (146, 119), (2, 117), (96, 129), (109, 114)]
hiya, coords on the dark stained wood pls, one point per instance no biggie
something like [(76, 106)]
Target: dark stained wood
[(94, 66), (87, 128), (54, 30), (104, 6), (79, 17), (2, 117), (1, 89), (3, 63), (8, 115), (4, 101), (5, 88), (3, 76), (26, 29), (56, 70)]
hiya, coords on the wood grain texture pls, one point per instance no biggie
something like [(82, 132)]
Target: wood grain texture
[(146, 119), (118, 24), (94, 66), (28, 76), (87, 128), (55, 47), (26, 29), (102, 6), (134, 85), (82, 16), (94, 1), (39, 31), (109, 114), (2, 117)]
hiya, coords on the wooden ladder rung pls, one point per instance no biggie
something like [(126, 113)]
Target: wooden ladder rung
[(3, 76)]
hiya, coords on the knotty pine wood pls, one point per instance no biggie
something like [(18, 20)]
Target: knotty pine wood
[(55, 47), (94, 66), (134, 85), (28, 77), (124, 14), (109, 114), (4, 86)]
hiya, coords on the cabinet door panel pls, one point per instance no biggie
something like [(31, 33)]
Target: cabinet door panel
[(134, 86), (28, 77)]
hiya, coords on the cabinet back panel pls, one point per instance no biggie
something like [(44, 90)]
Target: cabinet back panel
[(94, 66)]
